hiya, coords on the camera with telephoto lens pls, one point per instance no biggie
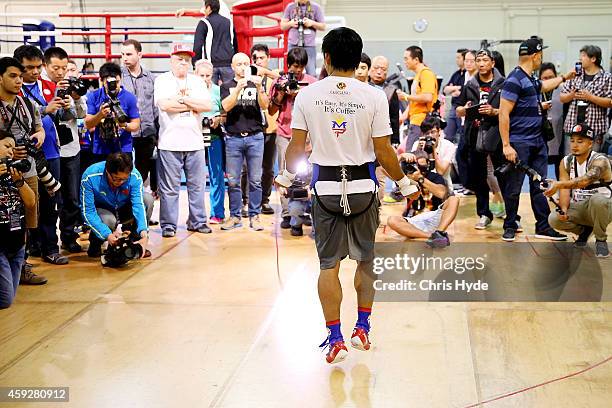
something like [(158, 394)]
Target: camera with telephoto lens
[(206, 136), (287, 82), (430, 144), (45, 177), (74, 85), (505, 168), (122, 252), (22, 165)]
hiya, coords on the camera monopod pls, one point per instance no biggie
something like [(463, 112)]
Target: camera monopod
[(558, 207)]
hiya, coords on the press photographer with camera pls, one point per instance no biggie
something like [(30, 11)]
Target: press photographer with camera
[(589, 96), (111, 194), (479, 104), (21, 118), (15, 197), (181, 98), (44, 240), (112, 114), (282, 96), (520, 127), (585, 197), (429, 224), (440, 151), (56, 65), (303, 18)]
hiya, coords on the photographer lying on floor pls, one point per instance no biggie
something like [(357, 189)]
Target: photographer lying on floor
[(430, 224), (585, 197), (112, 194)]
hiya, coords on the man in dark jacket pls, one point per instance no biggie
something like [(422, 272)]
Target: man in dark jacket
[(484, 89), (215, 40)]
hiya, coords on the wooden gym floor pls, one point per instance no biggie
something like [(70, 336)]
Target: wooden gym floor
[(209, 322)]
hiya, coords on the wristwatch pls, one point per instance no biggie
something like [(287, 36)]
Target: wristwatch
[(421, 180)]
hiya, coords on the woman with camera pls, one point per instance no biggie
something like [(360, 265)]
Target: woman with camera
[(15, 196)]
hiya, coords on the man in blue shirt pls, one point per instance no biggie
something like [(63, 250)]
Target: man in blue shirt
[(117, 136), (112, 194), (520, 126)]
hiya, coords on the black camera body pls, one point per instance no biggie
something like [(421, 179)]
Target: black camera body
[(520, 166), (46, 178), (206, 134), (408, 168), (22, 165), (121, 253), (297, 193), (430, 144), (287, 82), (301, 41), (74, 85)]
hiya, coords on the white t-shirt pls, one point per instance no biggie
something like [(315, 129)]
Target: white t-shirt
[(342, 115), (446, 152), (179, 132)]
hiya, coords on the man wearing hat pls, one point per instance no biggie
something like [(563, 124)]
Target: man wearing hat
[(520, 127), (585, 196), (181, 97)]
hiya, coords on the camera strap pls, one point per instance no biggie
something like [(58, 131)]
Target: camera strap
[(18, 106)]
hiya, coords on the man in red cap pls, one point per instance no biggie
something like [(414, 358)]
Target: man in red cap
[(585, 198), (181, 97)]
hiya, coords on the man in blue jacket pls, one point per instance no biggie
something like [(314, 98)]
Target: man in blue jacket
[(112, 194)]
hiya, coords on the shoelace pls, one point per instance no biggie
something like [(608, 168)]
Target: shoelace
[(344, 203)]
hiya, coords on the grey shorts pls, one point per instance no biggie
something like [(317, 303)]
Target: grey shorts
[(337, 236)]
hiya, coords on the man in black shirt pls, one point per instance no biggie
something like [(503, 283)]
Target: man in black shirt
[(215, 40), (430, 224), (243, 98), (453, 88)]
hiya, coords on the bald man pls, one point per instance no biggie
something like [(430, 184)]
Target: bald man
[(243, 98)]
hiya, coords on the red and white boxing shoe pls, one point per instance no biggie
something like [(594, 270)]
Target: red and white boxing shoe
[(360, 339), (337, 351)]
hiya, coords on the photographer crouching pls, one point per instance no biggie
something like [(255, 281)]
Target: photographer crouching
[(430, 224), (112, 194), (15, 197), (585, 197)]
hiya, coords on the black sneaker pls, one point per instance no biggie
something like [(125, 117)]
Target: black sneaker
[(509, 235), (204, 229), (582, 239), (601, 249), (551, 235), (267, 209), (439, 239), (297, 231), (286, 223), (307, 220), (72, 247), (55, 259)]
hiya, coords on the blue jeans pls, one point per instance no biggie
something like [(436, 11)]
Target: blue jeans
[(170, 166), (237, 150), (311, 66), (222, 74), (216, 178), (10, 271), (536, 157), (297, 209)]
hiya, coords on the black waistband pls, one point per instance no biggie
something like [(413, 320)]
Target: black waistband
[(337, 173)]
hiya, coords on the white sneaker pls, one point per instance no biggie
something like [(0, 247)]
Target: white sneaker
[(483, 223)]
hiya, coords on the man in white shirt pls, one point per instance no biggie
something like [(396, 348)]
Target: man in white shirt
[(441, 151), (181, 97), (348, 125)]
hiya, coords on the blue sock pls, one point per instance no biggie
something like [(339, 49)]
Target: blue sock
[(335, 334), (363, 318)]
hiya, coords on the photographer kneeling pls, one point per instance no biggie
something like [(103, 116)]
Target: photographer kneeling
[(430, 224), (585, 197), (112, 194), (15, 195)]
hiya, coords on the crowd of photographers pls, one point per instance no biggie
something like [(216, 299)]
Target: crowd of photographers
[(96, 159)]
